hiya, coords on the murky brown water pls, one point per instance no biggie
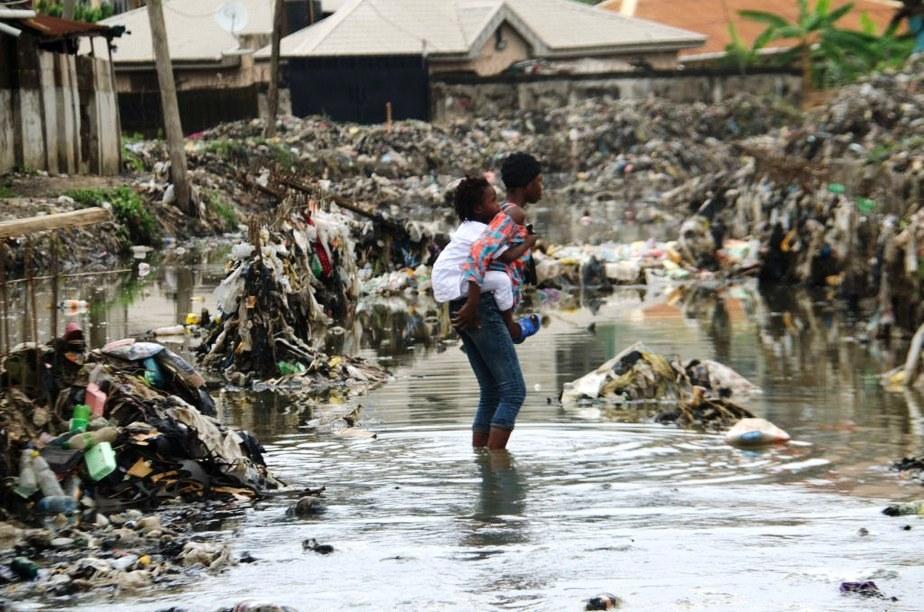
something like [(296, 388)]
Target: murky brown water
[(587, 500)]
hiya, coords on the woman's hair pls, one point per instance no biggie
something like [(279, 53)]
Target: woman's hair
[(468, 195)]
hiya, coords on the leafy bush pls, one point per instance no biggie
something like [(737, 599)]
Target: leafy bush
[(223, 209), (138, 224)]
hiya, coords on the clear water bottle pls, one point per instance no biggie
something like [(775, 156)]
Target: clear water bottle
[(28, 484), (57, 504), (46, 478)]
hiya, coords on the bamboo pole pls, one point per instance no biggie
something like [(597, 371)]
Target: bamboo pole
[(74, 218)]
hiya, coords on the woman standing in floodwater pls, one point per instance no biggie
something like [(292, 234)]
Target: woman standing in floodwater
[(480, 323)]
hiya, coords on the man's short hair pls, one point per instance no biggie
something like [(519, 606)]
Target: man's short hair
[(519, 170)]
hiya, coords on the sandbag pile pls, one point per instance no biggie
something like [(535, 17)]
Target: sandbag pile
[(697, 394)]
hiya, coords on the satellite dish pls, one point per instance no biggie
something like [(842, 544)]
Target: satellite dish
[(232, 17)]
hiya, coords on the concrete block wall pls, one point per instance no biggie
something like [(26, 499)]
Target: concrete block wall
[(460, 98)]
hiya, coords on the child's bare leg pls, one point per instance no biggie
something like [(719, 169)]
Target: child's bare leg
[(512, 326)]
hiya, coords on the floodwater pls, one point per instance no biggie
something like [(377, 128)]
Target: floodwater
[(588, 500)]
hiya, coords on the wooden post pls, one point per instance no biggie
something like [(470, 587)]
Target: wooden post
[(115, 95), (30, 276), (30, 293), (272, 98), (55, 272), (172, 126), (4, 310), (388, 116), (43, 223)]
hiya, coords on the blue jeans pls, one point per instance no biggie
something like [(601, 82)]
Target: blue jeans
[(493, 359)]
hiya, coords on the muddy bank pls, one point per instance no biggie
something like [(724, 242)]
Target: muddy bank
[(137, 219)]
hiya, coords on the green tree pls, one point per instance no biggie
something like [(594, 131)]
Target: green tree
[(83, 12), (889, 49), (826, 54), (739, 54)]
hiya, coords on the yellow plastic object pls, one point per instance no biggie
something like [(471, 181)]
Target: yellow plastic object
[(193, 318)]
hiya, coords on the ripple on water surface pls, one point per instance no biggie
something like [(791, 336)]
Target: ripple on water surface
[(667, 519)]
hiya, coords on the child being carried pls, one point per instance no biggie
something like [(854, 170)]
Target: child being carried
[(476, 204)]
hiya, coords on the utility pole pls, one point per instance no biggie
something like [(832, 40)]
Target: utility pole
[(172, 126), (272, 97), (70, 6)]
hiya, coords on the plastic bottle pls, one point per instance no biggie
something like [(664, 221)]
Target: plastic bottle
[(57, 504), (83, 441), (529, 325), (28, 484), (287, 367), (152, 373), (73, 307), (72, 487), (24, 568), (80, 418), (46, 478)]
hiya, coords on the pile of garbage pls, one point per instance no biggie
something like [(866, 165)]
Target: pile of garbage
[(128, 425), (601, 151), (81, 248), (636, 263), (89, 440), (284, 288), (833, 201), (644, 135), (911, 467), (698, 394)]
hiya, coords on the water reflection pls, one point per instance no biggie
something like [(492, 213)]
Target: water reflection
[(501, 502), (117, 304), (585, 502)]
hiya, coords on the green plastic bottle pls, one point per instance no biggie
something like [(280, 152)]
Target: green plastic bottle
[(25, 568)]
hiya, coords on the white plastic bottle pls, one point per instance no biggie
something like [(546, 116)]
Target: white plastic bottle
[(28, 484), (46, 478)]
